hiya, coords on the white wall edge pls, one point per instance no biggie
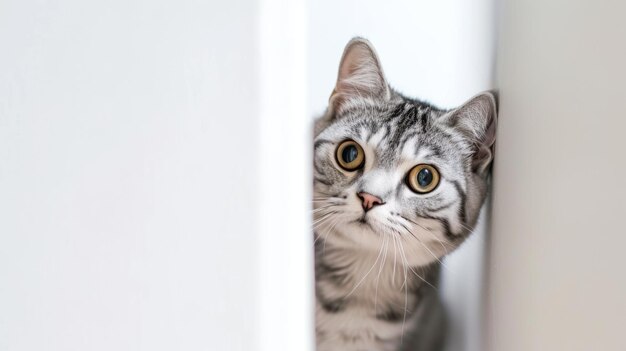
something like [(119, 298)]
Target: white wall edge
[(285, 268)]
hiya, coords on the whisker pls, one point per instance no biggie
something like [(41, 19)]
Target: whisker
[(366, 274), (380, 269), (320, 222), (322, 208), (330, 232), (327, 219), (411, 268), (322, 219), (406, 295), (394, 259), (441, 243), (422, 279), (423, 245)]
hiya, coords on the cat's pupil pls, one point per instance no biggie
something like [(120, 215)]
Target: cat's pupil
[(349, 153), (424, 177)]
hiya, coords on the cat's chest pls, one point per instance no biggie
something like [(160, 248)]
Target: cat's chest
[(356, 329), (362, 303), (374, 281)]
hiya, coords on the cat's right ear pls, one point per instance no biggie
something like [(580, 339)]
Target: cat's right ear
[(476, 120), (360, 76)]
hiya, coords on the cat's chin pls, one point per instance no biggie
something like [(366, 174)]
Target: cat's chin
[(372, 237), (361, 233)]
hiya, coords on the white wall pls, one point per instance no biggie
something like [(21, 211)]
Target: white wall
[(557, 280), (440, 51), (131, 181)]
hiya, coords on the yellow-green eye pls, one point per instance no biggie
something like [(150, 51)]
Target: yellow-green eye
[(350, 155), (423, 178)]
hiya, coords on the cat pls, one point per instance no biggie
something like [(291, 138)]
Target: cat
[(398, 184)]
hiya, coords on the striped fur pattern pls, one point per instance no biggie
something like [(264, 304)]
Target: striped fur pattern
[(377, 271)]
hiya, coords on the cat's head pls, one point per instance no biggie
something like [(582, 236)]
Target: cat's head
[(388, 168)]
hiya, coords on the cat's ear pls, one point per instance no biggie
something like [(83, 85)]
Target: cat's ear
[(477, 119), (360, 76)]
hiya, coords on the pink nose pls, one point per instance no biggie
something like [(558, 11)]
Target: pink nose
[(369, 200)]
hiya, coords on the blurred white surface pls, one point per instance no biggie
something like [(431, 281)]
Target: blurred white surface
[(130, 177), (285, 246), (439, 51), (558, 282)]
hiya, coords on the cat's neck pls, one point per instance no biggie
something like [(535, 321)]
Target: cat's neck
[(367, 275)]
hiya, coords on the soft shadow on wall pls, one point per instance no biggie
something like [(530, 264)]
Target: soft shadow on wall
[(441, 52)]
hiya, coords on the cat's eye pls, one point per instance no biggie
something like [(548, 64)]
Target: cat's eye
[(350, 155), (423, 178)]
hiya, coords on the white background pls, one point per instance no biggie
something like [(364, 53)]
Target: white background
[(130, 181), (439, 51)]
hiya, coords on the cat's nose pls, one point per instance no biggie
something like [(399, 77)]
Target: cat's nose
[(369, 200)]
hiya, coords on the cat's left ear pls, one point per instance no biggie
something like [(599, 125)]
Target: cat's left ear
[(360, 76), (477, 120)]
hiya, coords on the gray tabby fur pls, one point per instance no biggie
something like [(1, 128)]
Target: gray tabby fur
[(377, 272)]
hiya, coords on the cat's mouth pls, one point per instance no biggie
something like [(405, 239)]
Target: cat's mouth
[(363, 221)]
